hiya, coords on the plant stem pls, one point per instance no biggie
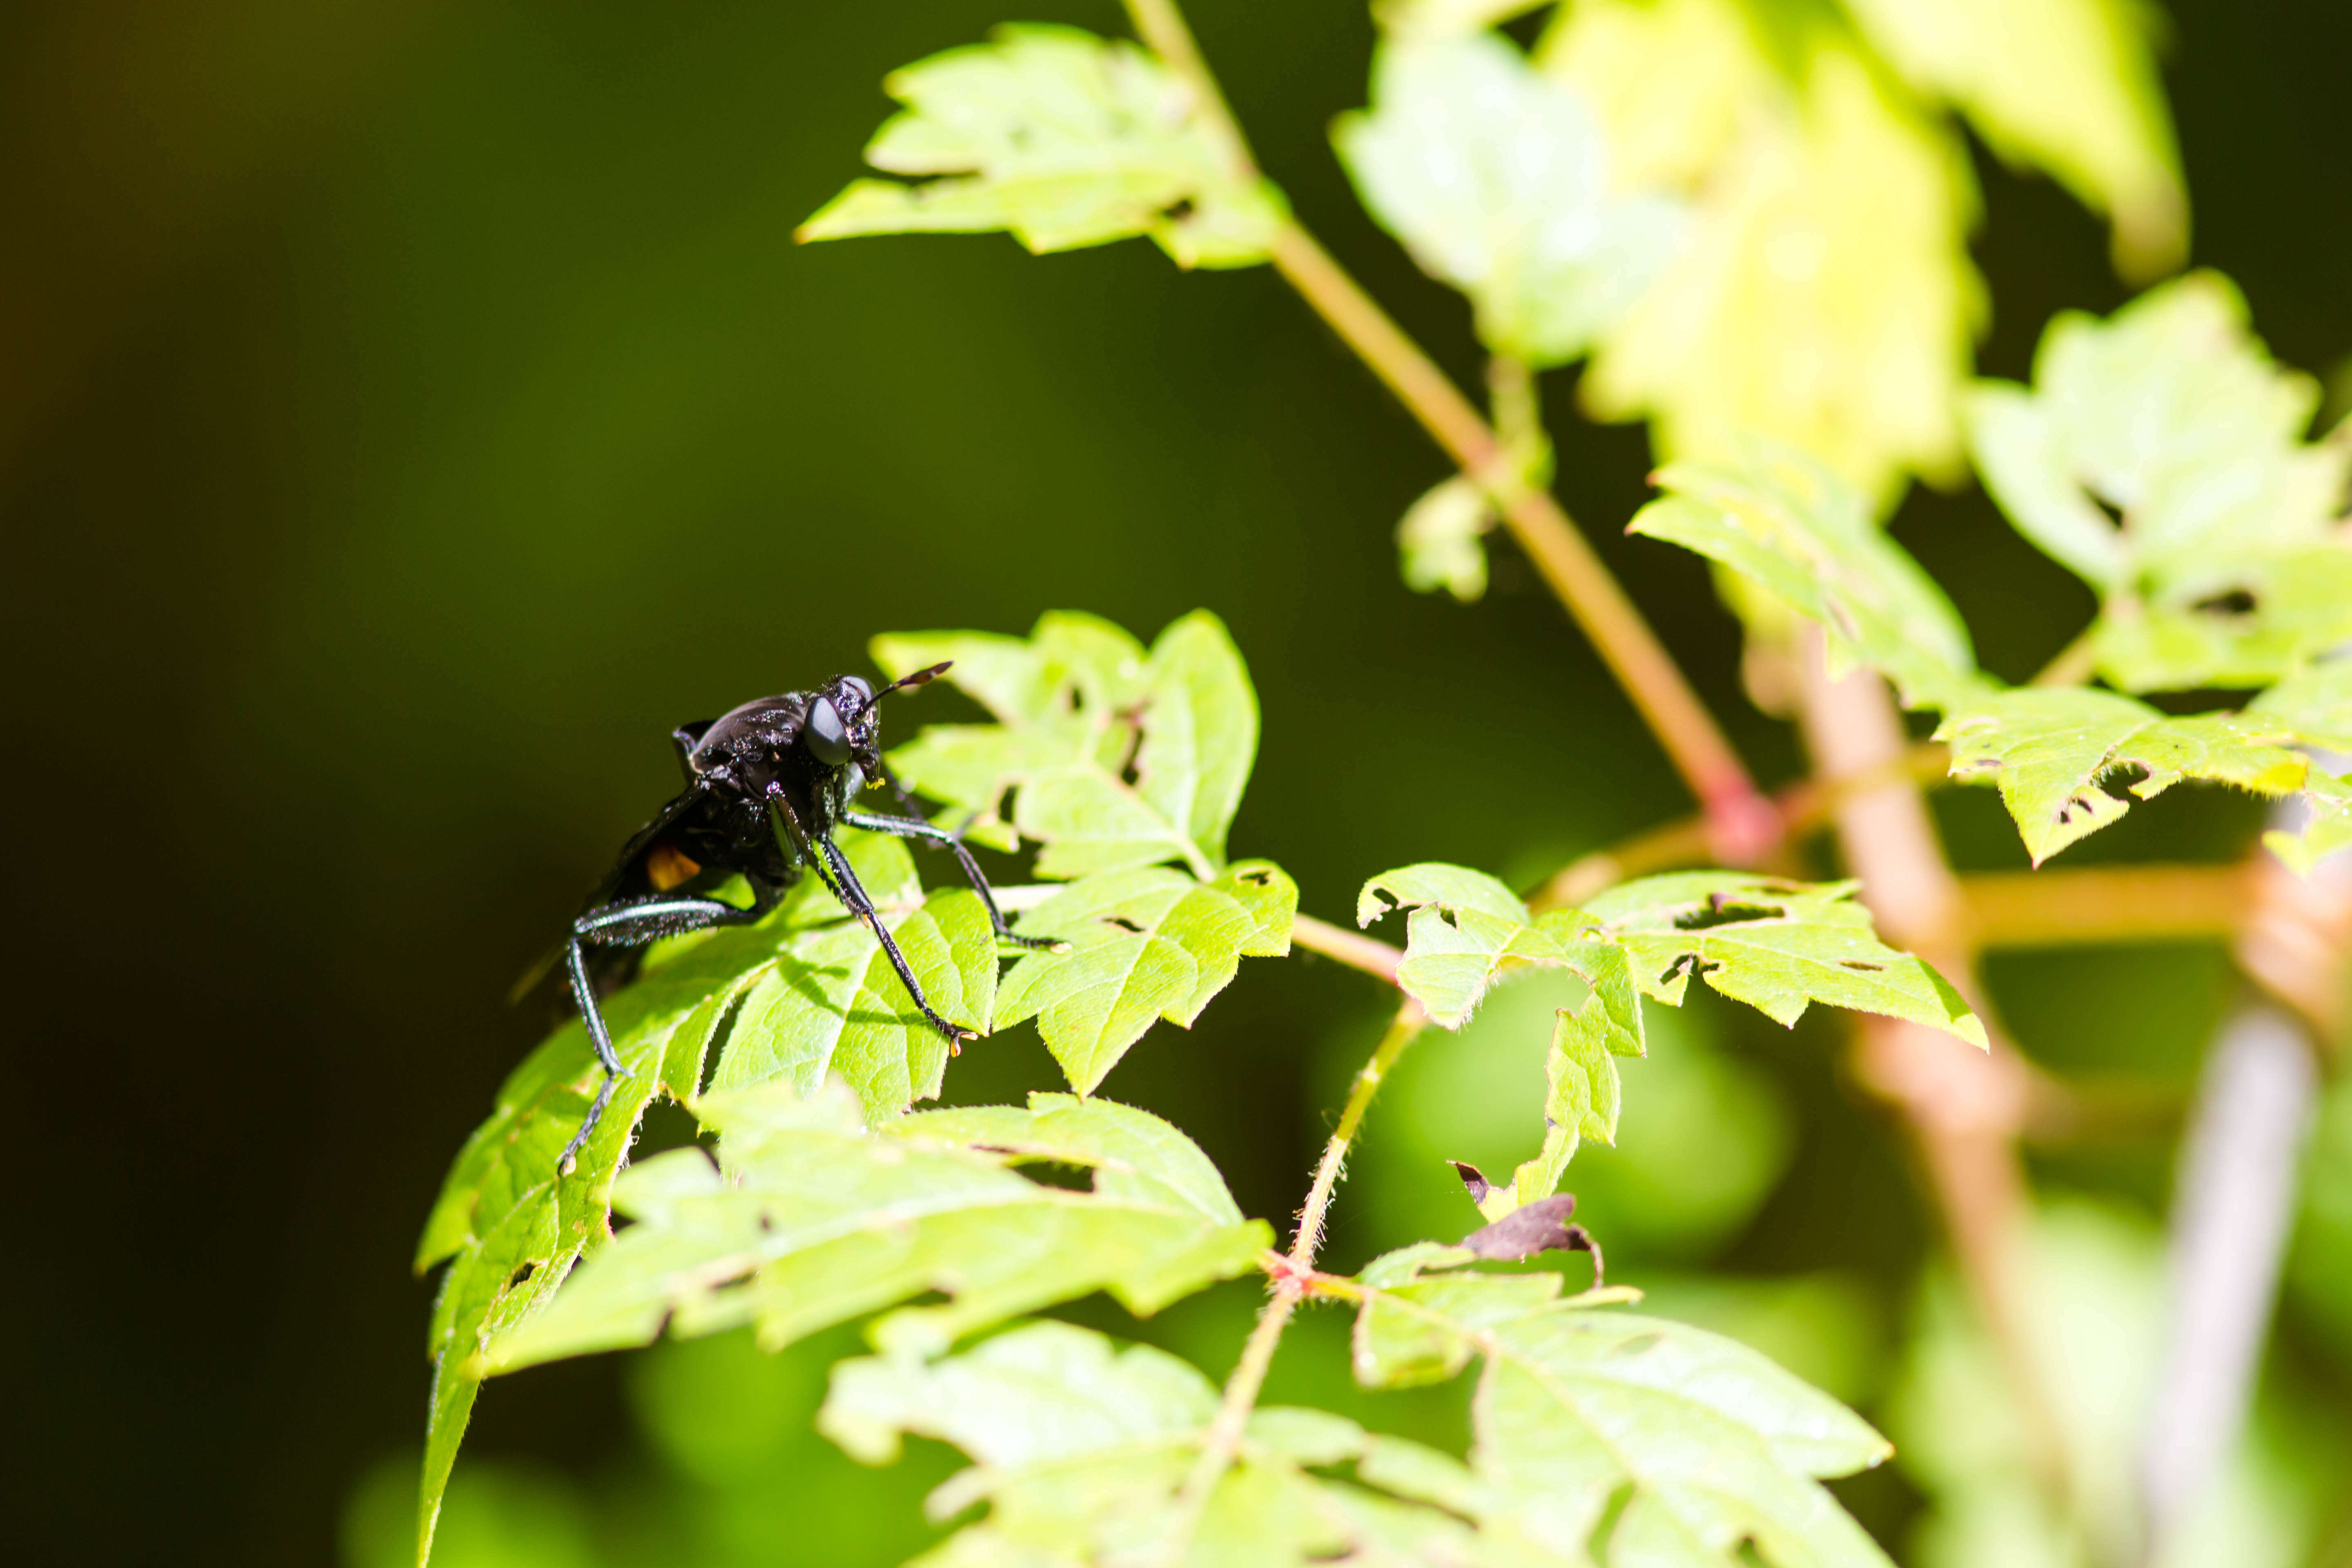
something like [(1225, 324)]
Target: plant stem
[(1743, 826), (1964, 1110), (1373, 956), (2106, 904), (1293, 1273), (1802, 808)]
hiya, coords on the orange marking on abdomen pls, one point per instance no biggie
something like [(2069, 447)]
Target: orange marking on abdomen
[(667, 866)]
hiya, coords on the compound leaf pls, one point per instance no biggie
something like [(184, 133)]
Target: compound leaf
[(1062, 139), (1776, 945), (810, 1218), (1793, 528), (1497, 180), (1604, 1435), (1146, 943), (1081, 1447), (2220, 564), (2066, 86), (2051, 751)]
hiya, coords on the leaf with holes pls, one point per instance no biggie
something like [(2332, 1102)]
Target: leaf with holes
[(1601, 1435), (813, 988), (1466, 930), (2051, 752), (1080, 1450), (810, 1218), (1497, 181), (1063, 140), (1794, 530), (1145, 944), (1777, 946), (1075, 708), (2220, 564)]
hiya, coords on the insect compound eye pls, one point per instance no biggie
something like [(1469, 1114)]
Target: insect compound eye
[(827, 736)]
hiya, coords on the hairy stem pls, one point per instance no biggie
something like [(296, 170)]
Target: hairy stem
[(1293, 1272), (1743, 826)]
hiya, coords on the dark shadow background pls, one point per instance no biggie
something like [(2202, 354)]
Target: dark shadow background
[(408, 413)]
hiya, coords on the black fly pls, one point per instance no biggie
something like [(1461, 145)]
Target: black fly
[(766, 786)]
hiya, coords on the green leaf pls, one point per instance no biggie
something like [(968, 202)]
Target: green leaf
[(811, 1218), (1794, 530), (1607, 1437), (1080, 1450), (1062, 139), (1438, 542), (2225, 567), (2052, 751), (833, 1003), (2066, 86), (1776, 945), (1497, 181), (1466, 930), (816, 992), (511, 1226), (1144, 944), (1074, 707), (1824, 297)]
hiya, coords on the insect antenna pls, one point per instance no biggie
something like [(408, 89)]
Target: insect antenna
[(920, 677)]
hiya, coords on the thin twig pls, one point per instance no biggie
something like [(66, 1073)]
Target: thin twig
[(1357, 951), (1292, 1272), (1802, 808), (1743, 826), (2099, 904)]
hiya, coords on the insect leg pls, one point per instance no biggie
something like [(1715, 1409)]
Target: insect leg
[(915, 828), (852, 893), (630, 925)]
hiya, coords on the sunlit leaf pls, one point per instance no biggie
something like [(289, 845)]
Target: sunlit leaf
[(2159, 454), (1601, 1435), (2051, 752), (1079, 707), (1465, 930), (811, 1218), (1439, 544), (1824, 297), (1777, 946), (1081, 1450), (1145, 944), (509, 1226), (1794, 530), (1062, 139), (1497, 181), (2066, 86)]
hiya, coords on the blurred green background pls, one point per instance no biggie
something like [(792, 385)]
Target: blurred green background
[(410, 412)]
